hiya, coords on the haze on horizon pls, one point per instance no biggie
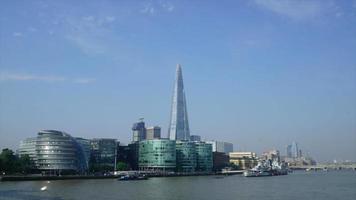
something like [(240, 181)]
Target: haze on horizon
[(259, 74)]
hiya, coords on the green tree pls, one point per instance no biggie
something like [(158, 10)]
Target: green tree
[(122, 166), (9, 161)]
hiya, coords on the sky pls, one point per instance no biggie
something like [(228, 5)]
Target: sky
[(257, 73)]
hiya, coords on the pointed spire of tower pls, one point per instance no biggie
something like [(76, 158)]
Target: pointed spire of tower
[(179, 126)]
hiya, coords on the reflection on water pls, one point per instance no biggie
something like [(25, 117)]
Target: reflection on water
[(299, 185)]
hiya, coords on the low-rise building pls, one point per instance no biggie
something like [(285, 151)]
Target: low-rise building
[(244, 160), (157, 155)]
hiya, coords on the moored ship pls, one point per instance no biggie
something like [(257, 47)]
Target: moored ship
[(267, 168)]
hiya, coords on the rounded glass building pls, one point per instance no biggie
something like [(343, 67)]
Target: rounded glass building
[(157, 155), (55, 152)]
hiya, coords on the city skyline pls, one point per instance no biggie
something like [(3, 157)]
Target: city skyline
[(260, 74)]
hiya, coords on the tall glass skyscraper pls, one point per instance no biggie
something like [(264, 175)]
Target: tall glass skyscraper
[(179, 126)]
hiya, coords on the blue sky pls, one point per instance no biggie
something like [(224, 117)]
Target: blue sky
[(257, 73)]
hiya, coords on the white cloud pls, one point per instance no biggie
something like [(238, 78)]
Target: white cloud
[(32, 29), (84, 80), (4, 76), (296, 9), (28, 77), (110, 19), (156, 7), (148, 9), (17, 34)]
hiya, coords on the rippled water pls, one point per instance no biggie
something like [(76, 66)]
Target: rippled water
[(298, 185)]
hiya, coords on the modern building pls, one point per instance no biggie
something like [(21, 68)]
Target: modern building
[(244, 160), (224, 147), (28, 147), (133, 155), (204, 155), (103, 153), (186, 156), (157, 155), (55, 152), (220, 161), (179, 126), (195, 138), (139, 131), (153, 132), (85, 144)]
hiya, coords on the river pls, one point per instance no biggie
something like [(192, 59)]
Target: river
[(298, 185)]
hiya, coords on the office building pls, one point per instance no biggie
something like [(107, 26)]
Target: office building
[(133, 155), (139, 131), (220, 161), (244, 160), (103, 153), (204, 155), (224, 147), (179, 126), (186, 156), (55, 152), (153, 133), (157, 155)]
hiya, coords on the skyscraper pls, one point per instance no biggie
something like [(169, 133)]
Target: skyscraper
[(179, 127)]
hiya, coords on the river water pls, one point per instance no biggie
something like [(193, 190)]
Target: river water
[(298, 185)]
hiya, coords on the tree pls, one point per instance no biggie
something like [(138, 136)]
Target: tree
[(121, 166), (9, 161)]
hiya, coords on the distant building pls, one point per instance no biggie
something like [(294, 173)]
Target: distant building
[(153, 132), (244, 160), (157, 155), (289, 151), (138, 131), (271, 155), (55, 152), (195, 138), (186, 156), (224, 147), (204, 156), (295, 150), (103, 152)]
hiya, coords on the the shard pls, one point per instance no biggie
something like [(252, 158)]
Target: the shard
[(179, 126)]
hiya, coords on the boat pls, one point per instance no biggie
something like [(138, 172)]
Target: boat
[(267, 168), (132, 177)]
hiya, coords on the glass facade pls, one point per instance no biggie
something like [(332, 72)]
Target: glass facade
[(157, 155), (204, 155), (103, 152), (179, 126), (186, 156), (55, 151)]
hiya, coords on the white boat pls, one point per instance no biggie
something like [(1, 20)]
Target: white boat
[(44, 188)]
